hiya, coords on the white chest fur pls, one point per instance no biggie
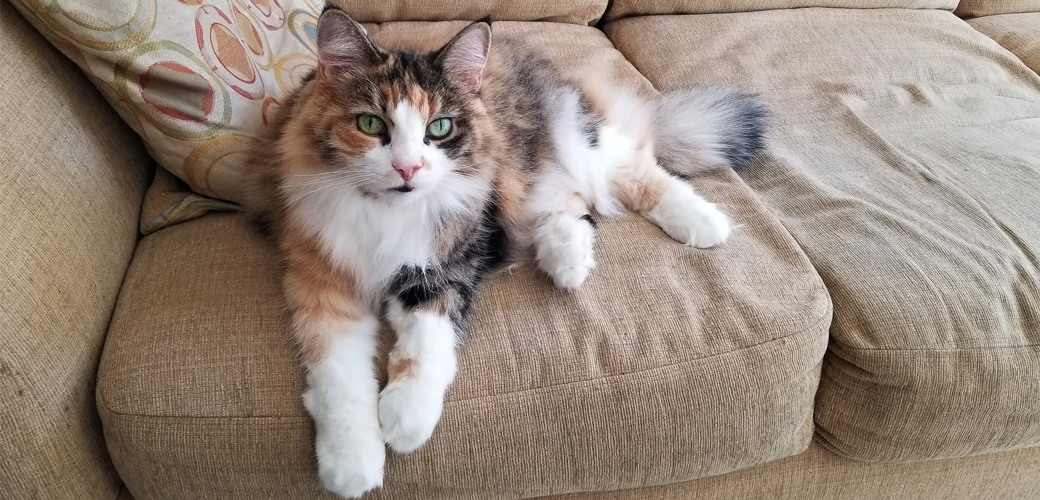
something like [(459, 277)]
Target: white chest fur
[(367, 236), (373, 238)]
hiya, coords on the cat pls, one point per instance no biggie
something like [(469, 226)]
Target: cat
[(395, 182)]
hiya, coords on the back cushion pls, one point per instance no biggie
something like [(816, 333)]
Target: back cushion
[(976, 8), (629, 8), (570, 11)]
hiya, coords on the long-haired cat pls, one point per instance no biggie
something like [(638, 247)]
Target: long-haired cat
[(395, 182)]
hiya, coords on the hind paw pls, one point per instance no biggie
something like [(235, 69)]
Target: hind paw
[(690, 220)]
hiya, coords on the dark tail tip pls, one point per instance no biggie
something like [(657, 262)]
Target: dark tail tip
[(748, 137)]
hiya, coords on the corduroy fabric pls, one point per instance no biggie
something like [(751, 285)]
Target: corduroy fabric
[(976, 8), (630, 8), (670, 364), (571, 11), (908, 170), (72, 176), (1019, 33)]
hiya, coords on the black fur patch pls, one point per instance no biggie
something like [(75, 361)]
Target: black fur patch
[(461, 275), (588, 122), (327, 150), (453, 147), (459, 314), (588, 218), (415, 286)]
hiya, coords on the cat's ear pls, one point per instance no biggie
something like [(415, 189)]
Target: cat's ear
[(343, 45), (464, 57)]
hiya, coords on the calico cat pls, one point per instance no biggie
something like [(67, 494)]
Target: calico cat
[(395, 182)]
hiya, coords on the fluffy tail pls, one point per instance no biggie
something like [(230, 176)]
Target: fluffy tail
[(702, 129)]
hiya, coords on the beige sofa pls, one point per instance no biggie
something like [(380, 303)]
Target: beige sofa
[(871, 331)]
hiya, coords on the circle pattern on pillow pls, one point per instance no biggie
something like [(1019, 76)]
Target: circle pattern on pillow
[(226, 51), (304, 26), (123, 24), (290, 70), (171, 88), (217, 161), (253, 35), (202, 77), (269, 12)]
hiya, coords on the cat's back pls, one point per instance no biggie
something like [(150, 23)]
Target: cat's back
[(519, 86)]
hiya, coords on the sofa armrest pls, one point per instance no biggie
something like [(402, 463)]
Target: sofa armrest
[(72, 177)]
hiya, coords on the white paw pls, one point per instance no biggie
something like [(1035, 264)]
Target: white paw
[(408, 412), (564, 249), (690, 220), (350, 464)]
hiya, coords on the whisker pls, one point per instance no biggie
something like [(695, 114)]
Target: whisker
[(339, 175), (319, 174), (315, 181), (338, 183)]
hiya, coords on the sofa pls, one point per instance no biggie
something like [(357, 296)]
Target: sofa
[(871, 330)]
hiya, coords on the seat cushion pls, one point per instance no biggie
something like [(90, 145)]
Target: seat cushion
[(630, 8), (818, 473), (72, 176), (1019, 33), (975, 8), (904, 160), (669, 364)]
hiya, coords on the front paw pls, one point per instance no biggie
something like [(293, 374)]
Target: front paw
[(350, 465), (408, 412), (564, 249)]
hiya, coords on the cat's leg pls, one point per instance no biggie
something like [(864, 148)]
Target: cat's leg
[(671, 203), (337, 339), (426, 311), (564, 230)]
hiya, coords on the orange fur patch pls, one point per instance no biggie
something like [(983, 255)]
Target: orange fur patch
[(639, 187), (352, 141), (297, 143), (390, 96), (511, 198), (418, 98), (315, 293), (400, 367)]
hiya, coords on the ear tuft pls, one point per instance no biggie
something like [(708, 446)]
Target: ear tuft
[(343, 45), (464, 57)]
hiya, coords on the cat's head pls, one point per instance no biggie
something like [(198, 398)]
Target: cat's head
[(398, 125)]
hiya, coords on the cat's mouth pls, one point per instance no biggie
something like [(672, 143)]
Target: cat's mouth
[(404, 188)]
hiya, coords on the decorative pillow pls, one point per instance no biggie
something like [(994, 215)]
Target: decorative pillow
[(198, 78), (194, 78)]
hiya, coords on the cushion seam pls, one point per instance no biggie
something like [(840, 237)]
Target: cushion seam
[(108, 408), (1025, 347)]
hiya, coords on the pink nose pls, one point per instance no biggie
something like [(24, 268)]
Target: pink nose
[(407, 171)]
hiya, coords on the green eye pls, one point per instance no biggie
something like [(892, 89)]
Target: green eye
[(439, 128), (370, 124)]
